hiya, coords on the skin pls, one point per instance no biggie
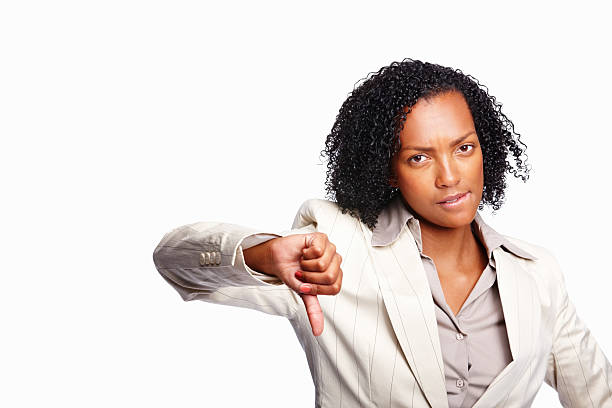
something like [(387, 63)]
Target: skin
[(451, 163), (300, 258), (440, 156)]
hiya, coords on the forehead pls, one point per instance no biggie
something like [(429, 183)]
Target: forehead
[(439, 119)]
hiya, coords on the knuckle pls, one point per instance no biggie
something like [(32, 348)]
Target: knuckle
[(320, 264)]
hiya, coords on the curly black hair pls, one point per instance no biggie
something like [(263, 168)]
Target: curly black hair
[(365, 136)]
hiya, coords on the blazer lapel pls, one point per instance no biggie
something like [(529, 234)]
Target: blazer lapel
[(409, 304), (519, 298)]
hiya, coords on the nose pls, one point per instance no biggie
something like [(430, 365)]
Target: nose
[(447, 174)]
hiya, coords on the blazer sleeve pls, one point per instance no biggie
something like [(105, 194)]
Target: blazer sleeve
[(577, 367), (204, 261)]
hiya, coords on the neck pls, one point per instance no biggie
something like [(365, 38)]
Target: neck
[(449, 245)]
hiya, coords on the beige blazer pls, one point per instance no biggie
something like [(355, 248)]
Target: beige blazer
[(380, 346)]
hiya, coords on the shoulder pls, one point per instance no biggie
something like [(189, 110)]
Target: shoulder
[(538, 251), (324, 214), (545, 271), (545, 262)]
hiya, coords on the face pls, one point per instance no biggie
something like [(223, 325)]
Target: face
[(440, 156)]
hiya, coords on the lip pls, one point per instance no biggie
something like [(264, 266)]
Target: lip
[(461, 198)]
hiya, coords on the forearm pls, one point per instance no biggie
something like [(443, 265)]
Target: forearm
[(204, 256)]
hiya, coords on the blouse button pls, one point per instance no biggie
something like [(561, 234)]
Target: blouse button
[(460, 383), (459, 336)]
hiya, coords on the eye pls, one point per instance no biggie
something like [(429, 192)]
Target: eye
[(471, 147), (412, 159)]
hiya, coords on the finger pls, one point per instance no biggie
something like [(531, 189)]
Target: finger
[(314, 245), (326, 277), (319, 264), (299, 286), (312, 252), (314, 289), (307, 289), (315, 314), (329, 289)]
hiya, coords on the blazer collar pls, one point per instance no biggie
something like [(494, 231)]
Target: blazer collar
[(396, 214), (409, 304)]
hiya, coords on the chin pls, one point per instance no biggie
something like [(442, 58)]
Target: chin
[(450, 219), (457, 220), (458, 223)]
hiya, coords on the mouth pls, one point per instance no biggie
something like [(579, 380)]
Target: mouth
[(454, 201)]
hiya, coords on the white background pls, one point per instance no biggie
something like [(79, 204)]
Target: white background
[(120, 120)]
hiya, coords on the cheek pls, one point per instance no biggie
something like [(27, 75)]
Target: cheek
[(474, 168), (480, 171), (477, 178), (414, 186)]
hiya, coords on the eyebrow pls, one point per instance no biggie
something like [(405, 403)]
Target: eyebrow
[(428, 149)]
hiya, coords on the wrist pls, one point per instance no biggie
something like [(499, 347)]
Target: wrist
[(256, 257)]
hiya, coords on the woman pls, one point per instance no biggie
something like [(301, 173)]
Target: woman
[(429, 305)]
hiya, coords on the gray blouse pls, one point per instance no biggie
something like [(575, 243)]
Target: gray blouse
[(474, 342)]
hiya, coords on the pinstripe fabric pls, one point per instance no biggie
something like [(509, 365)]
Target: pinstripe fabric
[(380, 346), (483, 351)]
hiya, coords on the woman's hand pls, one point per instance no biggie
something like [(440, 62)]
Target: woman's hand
[(307, 263)]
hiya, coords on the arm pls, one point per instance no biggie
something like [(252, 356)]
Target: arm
[(577, 368), (205, 261)]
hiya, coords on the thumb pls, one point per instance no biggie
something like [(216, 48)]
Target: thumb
[(315, 314)]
